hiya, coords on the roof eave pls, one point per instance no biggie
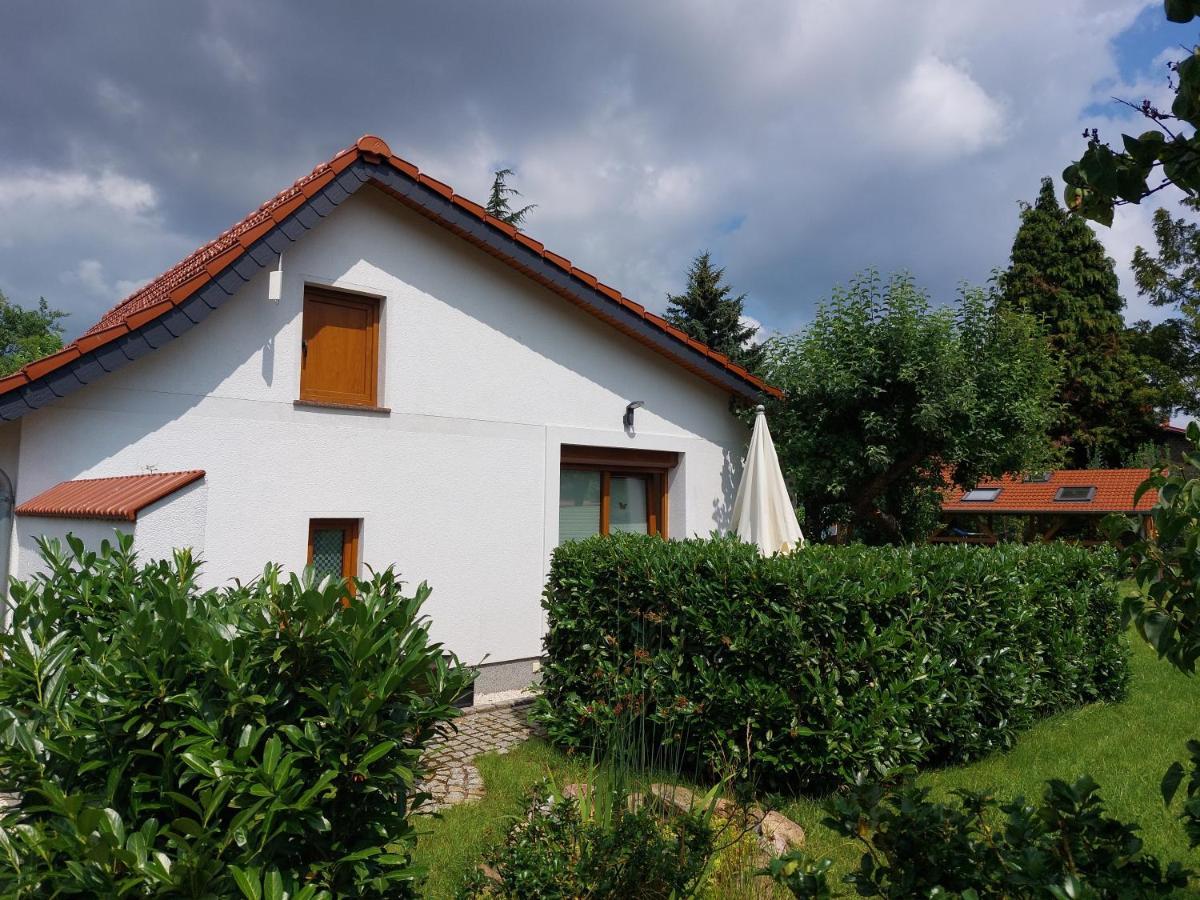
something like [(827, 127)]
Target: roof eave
[(98, 352)]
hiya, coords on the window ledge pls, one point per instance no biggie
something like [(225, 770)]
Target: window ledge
[(351, 407)]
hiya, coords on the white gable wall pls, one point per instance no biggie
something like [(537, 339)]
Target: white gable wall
[(485, 373)]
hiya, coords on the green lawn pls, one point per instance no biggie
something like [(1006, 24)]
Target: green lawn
[(1126, 747)]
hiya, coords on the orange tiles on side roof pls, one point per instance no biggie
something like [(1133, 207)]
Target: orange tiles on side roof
[(119, 498)]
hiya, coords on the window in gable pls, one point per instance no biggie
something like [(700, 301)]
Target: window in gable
[(339, 351)]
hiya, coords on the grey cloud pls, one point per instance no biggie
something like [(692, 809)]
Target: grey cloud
[(843, 135)]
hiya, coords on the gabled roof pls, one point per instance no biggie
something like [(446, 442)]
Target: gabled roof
[(120, 498), (1114, 493), (185, 294)]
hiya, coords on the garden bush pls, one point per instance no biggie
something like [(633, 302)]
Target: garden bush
[(560, 850), (804, 670), (1065, 847), (256, 740)]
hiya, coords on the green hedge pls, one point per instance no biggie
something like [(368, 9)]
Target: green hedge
[(805, 670)]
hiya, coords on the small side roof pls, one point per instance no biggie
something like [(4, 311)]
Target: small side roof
[(119, 498), (187, 293), (1114, 490)]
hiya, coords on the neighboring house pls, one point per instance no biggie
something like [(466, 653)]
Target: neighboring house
[(1068, 504), (1177, 444), (421, 385)]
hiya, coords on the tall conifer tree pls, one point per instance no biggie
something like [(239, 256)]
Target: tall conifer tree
[(1059, 272), (710, 312), (499, 204)]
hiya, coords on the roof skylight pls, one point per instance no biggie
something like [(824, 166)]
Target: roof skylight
[(981, 495), (1075, 494)]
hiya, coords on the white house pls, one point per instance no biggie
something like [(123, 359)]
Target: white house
[(370, 370)]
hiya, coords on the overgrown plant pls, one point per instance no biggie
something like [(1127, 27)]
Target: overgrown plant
[(805, 670), (260, 741)]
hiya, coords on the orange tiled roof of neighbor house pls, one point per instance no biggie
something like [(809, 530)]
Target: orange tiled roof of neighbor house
[(120, 497), (1114, 490), (184, 279)]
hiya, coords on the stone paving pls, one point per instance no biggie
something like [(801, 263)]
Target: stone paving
[(452, 777)]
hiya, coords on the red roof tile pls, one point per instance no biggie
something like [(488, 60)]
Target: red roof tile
[(120, 497), (1114, 493), (182, 280)]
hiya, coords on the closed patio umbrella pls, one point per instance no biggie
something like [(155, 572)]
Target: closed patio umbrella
[(762, 512)]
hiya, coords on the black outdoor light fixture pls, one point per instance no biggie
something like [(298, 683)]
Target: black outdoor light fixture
[(629, 412)]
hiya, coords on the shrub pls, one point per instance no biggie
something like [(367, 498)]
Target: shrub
[(1165, 561), (1066, 848), (252, 740), (555, 850), (805, 670)]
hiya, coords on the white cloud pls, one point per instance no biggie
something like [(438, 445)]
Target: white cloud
[(117, 100), (73, 189), (750, 322), (234, 63), (842, 135), (90, 275), (939, 112)]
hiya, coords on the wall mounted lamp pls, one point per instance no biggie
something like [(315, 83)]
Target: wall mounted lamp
[(628, 420)]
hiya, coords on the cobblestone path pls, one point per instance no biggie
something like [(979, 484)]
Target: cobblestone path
[(452, 776)]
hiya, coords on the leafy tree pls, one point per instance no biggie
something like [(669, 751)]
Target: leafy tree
[(27, 334), (709, 311), (1172, 279), (498, 201), (1168, 154), (1060, 274), (888, 399)]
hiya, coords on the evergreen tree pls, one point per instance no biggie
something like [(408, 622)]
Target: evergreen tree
[(498, 201), (709, 312), (1060, 274)]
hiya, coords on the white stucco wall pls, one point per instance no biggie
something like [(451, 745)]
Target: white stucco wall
[(486, 374), (178, 520), (29, 528)]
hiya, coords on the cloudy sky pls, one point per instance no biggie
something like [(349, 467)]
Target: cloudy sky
[(800, 141)]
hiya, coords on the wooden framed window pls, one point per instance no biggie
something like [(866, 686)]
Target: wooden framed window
[(606, 491), (333, 547), (339, 350)]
